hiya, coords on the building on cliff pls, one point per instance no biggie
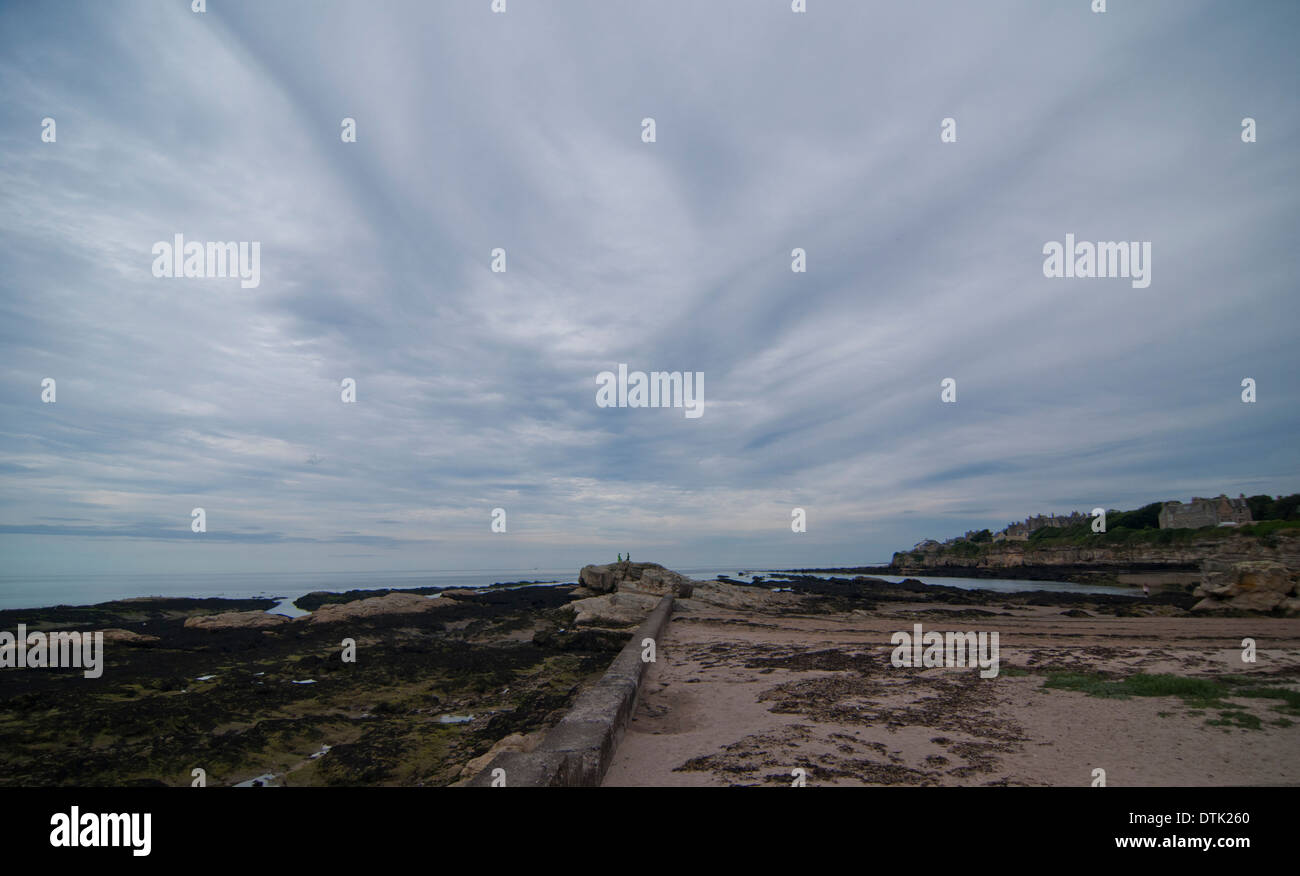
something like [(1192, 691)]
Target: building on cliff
[(1022, 531), (1205, 512)]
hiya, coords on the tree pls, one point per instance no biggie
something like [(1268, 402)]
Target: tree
[(1259, 506), (1146, 517)]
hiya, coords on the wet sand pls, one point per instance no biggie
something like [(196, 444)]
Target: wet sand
[(745, 697)]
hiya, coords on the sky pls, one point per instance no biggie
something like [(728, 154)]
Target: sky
[(523, 131)]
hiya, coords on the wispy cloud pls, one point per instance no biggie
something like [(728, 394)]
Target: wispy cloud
[(476, 390)]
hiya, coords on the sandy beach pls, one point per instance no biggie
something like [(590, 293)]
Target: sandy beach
[(743, 697)]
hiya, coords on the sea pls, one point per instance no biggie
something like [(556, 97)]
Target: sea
[(40, 591)]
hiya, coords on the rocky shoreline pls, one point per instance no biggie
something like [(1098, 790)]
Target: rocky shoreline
[(443, 679), (1113, 557), (860, 592), (1116, 573), (219, 685)]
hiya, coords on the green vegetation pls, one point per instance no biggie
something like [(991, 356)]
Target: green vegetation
[(1082, 535), (963, 549), (1146, 517), (1198, 694), (1291, 697), (1268, 508), (1268, 527), (1236, 719), (497, 656), (1195, 692)]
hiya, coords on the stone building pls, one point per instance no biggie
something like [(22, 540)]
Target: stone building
[(1199, 512), (1022, 531), (1038, 521)]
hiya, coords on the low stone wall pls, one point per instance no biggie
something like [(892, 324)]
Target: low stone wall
[(577, 751)]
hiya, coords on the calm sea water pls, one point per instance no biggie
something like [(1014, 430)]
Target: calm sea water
[(1000, 585), (36, 591)]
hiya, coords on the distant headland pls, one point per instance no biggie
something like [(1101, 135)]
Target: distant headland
[(1163, 543)]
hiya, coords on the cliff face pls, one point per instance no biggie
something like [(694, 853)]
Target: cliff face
[(1283, 547)]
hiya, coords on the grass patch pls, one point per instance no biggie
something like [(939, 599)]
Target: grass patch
[(1290, 698), (1269, 527), (1236, 718), (1198, 694)]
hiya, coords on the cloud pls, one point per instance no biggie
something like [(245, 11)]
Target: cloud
[(476, 390)]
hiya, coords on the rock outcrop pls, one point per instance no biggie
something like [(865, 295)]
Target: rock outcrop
[(392, 603), (614, 609), (1248, 586), (649, 578), (724, 595), (629, 591), (115, 635), (521, 742), (228, 620)]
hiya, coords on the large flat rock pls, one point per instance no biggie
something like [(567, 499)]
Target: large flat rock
[(649, 578)]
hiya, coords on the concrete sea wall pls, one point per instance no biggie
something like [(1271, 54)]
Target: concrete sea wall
[(577, 751)]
